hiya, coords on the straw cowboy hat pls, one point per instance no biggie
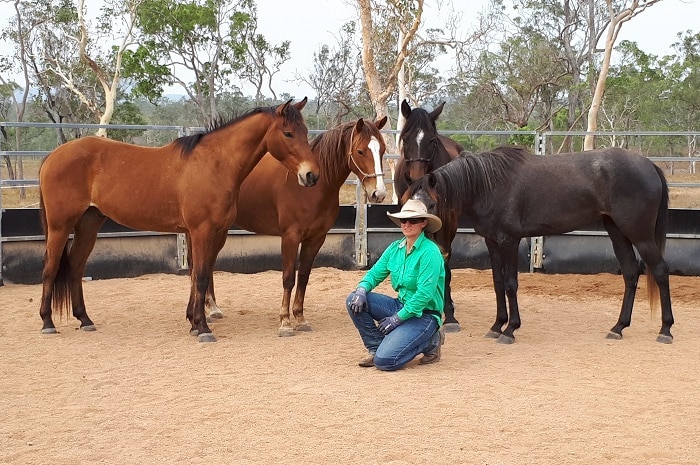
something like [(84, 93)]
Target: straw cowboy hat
[(416, 209)]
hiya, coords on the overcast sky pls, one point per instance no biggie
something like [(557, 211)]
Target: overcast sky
[(308, 24), (312, 23)]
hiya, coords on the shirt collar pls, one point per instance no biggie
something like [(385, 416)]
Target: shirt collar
[(419, 240)]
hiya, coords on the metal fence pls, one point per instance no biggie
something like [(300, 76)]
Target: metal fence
[(367, 238)]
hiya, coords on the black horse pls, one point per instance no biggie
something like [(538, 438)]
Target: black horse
[(510, 194), (422, 150)]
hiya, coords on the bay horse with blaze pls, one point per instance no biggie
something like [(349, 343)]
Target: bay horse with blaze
[(511, 194), (272, 204), (188, 186), (422, 151)]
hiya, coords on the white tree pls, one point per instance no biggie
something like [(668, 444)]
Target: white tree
[(617, 19)]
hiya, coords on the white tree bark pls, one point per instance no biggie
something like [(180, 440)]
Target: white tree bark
[(616, 22)]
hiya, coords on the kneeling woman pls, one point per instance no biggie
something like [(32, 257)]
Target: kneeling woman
[(395, 330)]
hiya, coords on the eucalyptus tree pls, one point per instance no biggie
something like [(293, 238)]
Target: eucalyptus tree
[(619, 13), (336, 78), (200, 46), (399, 51)]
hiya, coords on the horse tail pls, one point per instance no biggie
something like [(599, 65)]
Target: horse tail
[(660, 231), (60, 289)]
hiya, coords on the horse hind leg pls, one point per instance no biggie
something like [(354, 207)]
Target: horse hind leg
[(630, 269), (55, 291), (309, 250), (658, 285)]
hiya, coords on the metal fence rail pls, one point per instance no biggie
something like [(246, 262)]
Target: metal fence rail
[(361, 231)]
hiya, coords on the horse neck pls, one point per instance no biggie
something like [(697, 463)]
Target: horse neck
[(243, 142)]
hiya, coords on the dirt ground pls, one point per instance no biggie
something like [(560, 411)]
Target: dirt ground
[(140, 390)]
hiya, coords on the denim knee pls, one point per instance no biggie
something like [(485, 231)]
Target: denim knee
[(386, 364)]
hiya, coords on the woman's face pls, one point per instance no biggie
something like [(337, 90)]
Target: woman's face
[(412, 227)]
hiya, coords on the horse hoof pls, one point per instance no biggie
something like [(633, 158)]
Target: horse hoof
[(503, 339), (209, 320), (49, 331), (305, 327), (206, 337), (194, 332), (217, 314), (664, 338), (612, 335), (492, 334), (285, 332), (451, 328), (88, 328)]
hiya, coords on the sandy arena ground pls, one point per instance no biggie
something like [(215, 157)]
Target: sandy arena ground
[(140, 390)]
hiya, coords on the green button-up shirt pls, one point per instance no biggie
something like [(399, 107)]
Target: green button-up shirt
[(417, 276)]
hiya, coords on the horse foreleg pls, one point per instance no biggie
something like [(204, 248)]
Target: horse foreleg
[(309, 250), (210, 300), (203, 249), (451, 325), (510, 274), (499, 288), (290, 247), (445, 237), (83, 243)]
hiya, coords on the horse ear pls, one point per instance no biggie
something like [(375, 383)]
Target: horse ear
[(432, 180), (359, 125), (381, 122), (436, 112), (301, 104), (282, 109), (405, 108)]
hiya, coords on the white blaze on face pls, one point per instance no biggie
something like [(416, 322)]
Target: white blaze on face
[(374, 148), (419, 139)]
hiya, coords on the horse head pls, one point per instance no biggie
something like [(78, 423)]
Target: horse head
[(365, 157), (288, 141), (419, 142)]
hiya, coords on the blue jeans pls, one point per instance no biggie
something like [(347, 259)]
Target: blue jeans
[(396, 349)]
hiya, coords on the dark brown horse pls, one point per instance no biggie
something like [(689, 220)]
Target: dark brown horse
[(188, 186), (423, 150), (272, 204), (510, 194)]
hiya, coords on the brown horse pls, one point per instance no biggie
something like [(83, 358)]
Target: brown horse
[(188, 186), (272, 204), (422, 151)]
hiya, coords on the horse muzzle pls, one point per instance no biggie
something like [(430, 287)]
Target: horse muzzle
[(307, 179)]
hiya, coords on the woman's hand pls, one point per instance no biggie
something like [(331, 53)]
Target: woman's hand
[(358, 304), (390, 323)]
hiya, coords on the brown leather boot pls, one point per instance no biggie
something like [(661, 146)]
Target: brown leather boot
[(433, 355), (367, 361)]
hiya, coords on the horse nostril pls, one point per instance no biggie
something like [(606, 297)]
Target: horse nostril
[(311, 179)]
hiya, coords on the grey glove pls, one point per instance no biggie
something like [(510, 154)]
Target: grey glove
[(390, 323), (358, 304)]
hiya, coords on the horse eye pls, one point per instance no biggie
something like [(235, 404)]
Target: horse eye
[(361, 152), (288, 134)]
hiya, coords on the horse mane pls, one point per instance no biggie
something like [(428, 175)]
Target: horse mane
[(477, 175), (333, 147), (188, 143), (328, 144)]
